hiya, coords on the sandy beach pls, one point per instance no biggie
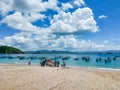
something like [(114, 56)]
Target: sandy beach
[(14, 77)]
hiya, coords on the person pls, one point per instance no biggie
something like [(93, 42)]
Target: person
[(44, 63), (29, 62), (64, 64), (40, 63), (57, 63)]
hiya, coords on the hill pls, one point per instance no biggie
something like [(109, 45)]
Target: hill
[(48, 52), (10, 50), (69, 52)]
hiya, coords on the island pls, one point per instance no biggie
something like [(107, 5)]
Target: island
[(10, 50)]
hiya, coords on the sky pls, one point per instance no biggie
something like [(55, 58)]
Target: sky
[(66, 25)]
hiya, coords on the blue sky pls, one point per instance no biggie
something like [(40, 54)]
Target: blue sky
[(109, 26), (75, 25)]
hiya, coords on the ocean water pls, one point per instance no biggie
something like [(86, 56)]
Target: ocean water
[(73, 60)]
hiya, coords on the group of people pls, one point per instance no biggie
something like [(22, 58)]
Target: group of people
[(57, 63), (45, 62)]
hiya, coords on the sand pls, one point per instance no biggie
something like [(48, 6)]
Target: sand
[(14, 77)]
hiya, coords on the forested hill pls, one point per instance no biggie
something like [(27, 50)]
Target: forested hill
[(10, 50)]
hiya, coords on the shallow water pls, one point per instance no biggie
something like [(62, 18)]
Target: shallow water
[(36, 59)]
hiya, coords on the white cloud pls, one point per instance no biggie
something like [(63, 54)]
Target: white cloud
[(17, 21), (30, 41), (102, 16), (52, 4), (32, 17), (28, 6), (2, 43), (66, 6), (106, 42), (80, 20), (20, 40), (50, 42), (23, 23), (32, 37), (78, 2), (5, 6)]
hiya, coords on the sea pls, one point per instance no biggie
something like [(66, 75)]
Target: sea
[(106, 61)]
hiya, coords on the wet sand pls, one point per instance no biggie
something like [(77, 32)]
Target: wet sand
[(14, 77)]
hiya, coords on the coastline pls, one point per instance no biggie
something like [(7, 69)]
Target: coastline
[(73, 67), (96, 68)]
